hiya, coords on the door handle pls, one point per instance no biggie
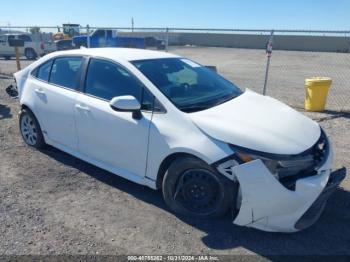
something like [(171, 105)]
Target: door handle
[(40, 91), (80, 107)]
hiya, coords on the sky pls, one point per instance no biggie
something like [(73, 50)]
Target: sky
[(245, 14)]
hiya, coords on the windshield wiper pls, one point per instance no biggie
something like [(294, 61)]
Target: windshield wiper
[(194, 108), (223, 101)]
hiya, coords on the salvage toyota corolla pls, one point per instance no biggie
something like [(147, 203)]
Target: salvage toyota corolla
[(169, 123)]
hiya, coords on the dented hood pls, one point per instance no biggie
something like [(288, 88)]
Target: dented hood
[(259, 123)]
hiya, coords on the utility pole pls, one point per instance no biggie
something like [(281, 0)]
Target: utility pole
[(132, 24), (269, 54)]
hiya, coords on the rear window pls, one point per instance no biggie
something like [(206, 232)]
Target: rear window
[(25, 38), (66, 71)]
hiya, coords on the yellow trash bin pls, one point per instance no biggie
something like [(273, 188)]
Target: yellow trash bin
[(316, 91)]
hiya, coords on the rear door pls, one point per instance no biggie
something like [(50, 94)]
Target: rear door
[(55, 91)]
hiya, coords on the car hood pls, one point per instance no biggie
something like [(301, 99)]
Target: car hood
[(259, 123)]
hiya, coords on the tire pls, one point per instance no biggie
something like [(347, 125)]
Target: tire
[(193, 188), (30, 129), (30, 54)]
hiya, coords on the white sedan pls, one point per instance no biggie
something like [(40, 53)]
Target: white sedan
[(169, 123)]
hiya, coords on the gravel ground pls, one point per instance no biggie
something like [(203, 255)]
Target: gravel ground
[(53, 203)]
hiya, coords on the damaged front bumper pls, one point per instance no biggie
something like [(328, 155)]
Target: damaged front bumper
[(268, 205)]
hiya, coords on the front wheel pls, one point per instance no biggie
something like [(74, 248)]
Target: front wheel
[(191, 187), (30, 54)]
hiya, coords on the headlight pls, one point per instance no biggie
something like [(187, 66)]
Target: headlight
[(284, 165)]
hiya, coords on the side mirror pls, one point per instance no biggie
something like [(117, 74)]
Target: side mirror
[(126, 104)]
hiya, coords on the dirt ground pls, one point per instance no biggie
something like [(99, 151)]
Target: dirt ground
[(53, 203)]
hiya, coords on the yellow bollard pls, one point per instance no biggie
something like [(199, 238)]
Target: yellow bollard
[(316, 91)]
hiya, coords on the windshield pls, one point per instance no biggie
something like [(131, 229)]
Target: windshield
[(188, 85)]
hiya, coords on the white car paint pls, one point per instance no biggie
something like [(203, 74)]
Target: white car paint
[(125, 103), (54, 107), (120, 141), (260, 123), (135, 149)]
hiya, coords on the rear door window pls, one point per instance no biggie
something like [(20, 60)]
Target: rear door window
[(43, 72), (66, 72), (25, 38)]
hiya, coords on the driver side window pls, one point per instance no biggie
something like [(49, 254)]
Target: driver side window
[(106, 80)]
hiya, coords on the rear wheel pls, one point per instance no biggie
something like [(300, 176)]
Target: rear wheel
[(191, 187), (30, 54), (30, 129)]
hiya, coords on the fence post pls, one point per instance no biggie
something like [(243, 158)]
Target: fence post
[(269, 54), (88, 36), (166, 39), (17, 59)]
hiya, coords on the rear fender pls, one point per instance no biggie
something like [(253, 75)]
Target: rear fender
[(21, 77)]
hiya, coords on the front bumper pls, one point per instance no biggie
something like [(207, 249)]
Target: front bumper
[(315, 211), (267, 205)]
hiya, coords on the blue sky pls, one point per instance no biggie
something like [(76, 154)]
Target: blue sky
[(277, 14)]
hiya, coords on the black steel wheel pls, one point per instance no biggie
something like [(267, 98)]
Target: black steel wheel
[(191, 187)]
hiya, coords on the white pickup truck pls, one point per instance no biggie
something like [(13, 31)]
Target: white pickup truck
[(31, 50)]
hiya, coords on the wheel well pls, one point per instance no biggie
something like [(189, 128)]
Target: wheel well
[(165, 165), (27, 108)]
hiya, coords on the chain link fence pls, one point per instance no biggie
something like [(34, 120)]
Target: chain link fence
[(238, 54)]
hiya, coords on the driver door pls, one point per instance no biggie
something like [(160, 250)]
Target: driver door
[(112, 139)]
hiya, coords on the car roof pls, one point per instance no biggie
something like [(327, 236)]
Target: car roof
[(16, 34), (128, 54)]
